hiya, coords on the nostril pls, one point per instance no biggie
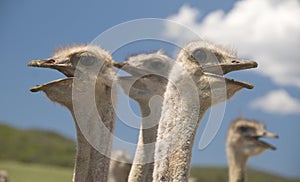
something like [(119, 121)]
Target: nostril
[(51, 61), (234, 61)]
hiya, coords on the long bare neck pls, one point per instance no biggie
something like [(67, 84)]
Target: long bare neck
[(143, 165), (151, 107), (176, 132), (237, 166), (92, 165)]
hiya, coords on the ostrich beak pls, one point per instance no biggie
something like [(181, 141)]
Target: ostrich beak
[(46, 63), (232, 65), (223, 88), (270, 134), (238, 65), (230, 82), (59, 85), (222, 68), (62, 66), (119, 65), (130, 69), (265, 144)]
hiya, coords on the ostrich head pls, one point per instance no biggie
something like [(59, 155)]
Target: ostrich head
[(207, 64), (244, 138), (213, 58), (81, 63), (149, 75)]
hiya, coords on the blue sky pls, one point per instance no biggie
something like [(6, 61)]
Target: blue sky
[(265, 31)]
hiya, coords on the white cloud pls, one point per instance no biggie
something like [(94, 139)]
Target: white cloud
[(267, 31), (277, 102)]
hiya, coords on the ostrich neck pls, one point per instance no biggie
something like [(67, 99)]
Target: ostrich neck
[(176, 132), (143, 165), (237, 166), (92, 165)]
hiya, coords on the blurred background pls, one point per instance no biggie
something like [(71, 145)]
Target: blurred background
[(37, 137)]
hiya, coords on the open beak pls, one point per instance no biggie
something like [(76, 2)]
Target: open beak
[(219, 70), (265, 144), (62, 67)]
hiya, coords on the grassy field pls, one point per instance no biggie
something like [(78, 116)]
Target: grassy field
[(21, 172)]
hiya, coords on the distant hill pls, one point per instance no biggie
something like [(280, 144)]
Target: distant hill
[(45, 149), (36, 146)]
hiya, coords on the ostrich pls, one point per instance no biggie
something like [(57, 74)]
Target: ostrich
[(149, 78), (188, 95), (243, 142), (80, 65), (3, 176)]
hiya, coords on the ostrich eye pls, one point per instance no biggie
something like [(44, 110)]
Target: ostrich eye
[(200, 55), (87, 60), (75, 58), (157, 65), (243, 129), (246, 129)]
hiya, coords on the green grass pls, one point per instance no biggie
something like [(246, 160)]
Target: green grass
[(22, 172)]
